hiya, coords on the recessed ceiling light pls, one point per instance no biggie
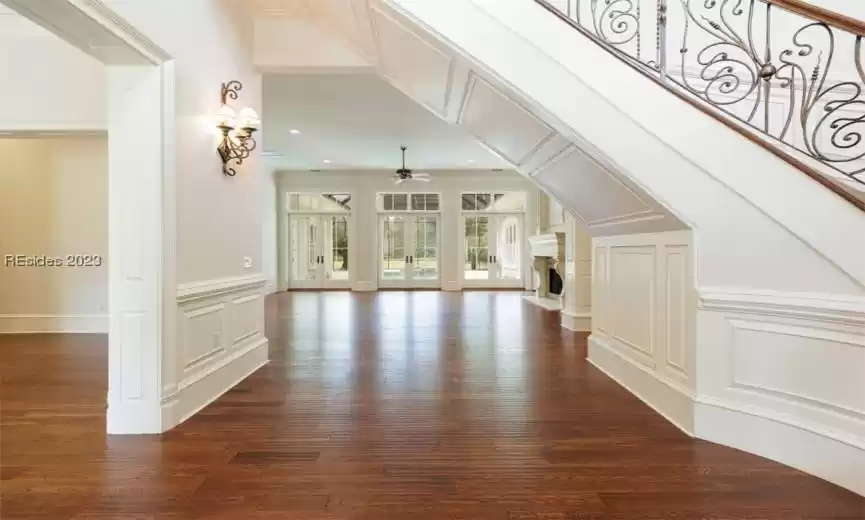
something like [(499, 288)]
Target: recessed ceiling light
[(294, 131), (327, 161), (471, 161)]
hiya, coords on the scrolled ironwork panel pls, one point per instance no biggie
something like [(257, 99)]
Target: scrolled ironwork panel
[(797, 80)]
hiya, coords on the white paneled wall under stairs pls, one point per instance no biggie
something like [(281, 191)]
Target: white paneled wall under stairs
[(728, 287)]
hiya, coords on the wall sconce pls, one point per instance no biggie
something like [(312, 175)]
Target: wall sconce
[(237, 142)]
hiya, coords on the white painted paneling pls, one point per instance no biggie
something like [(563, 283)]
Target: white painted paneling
[(577, 180), (676, 291), (221, 325), (246, 314), (788, 366), (632, 298), (502, 124), (600, 290), (419, 69), (204, 335), (643, 331)]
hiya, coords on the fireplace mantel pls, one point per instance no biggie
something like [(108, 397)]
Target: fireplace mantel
[(546, 245), (548, 253)]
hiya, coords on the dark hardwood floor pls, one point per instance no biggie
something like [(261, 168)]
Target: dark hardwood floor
[(406, 406)]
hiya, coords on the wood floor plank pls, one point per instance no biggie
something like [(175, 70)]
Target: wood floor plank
[(407, 406)]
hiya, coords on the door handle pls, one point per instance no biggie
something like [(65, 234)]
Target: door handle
[(411, 259)]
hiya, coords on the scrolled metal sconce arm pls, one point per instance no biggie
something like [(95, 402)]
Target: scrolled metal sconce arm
[(236, 147)]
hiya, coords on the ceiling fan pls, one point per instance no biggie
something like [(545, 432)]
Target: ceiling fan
[(405, 174)]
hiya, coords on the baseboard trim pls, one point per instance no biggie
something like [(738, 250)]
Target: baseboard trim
[(802, 448), (666, 398), (195, 394), (53, 324), (577, 321), (364, 287)]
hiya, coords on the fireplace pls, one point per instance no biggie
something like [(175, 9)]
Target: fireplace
[(555, 283), (548, 256)]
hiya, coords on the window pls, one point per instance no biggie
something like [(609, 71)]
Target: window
[(424, 202), (319, 202), (512, 201)]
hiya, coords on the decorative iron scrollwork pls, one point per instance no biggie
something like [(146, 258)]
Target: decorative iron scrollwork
[(796, 80)]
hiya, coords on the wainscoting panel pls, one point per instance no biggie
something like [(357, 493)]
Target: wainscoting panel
[(788, 368), (221, 340), (644, 335), (632, 299)]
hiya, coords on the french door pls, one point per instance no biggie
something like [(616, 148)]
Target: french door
[(319, 252), (492, 250), (409, 251)]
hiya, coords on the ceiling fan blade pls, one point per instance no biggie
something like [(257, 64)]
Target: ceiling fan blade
[(421, 175), (423, 179), (398, 180)]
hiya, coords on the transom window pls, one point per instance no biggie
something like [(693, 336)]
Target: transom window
[(509, 201), (409, 202), (319, 202)]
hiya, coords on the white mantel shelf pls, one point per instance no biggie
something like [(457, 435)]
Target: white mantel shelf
[(546, 245)]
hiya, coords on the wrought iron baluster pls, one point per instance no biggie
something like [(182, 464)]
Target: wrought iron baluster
[(767, 71), (661, 36)]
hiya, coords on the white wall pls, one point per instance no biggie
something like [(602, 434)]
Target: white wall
[(209, 48), (363, 186), (300, 45), (577, 304), (215, 326), (53, 202), (47, 83)]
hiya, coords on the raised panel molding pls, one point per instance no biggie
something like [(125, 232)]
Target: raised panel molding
[(217, 319), (247, 317), (632, 298), (675, 308), (579, 180), (599, 289), (414, 66), (787, 368), (203, 334), (500, 123), (824, 356), (642, 336)]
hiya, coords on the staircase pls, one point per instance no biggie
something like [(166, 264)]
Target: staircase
[(712, 149)]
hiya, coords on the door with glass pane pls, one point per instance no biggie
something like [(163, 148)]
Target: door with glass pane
[(492, 250), (409, 251), (319, 251)]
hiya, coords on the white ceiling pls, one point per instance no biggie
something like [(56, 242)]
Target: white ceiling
[(359, 121)]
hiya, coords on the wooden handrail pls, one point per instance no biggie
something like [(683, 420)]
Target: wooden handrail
[(818, 14)]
